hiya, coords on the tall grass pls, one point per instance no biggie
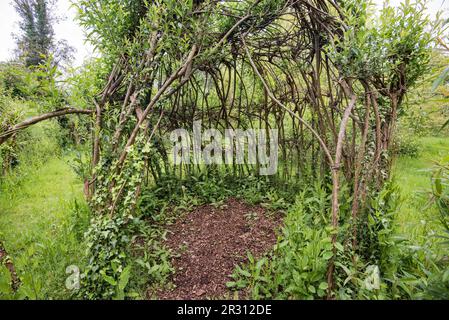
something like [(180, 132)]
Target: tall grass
[(418, 218), (43, 214)]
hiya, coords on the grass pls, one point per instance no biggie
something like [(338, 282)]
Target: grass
[(42, 214), (417, 218)]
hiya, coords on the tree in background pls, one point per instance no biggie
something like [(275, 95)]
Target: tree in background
[(36, 41), (37, 35)]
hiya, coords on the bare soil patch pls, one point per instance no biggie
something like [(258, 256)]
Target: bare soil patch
[(209, 242)]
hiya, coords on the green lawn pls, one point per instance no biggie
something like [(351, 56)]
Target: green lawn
[(40, 224), (32, 211), (416, 218)]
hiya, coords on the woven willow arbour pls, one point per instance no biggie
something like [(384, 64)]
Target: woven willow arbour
[(235, 64)]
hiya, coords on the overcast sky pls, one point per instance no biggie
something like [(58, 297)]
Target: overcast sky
[(69, 30), (66, 29)]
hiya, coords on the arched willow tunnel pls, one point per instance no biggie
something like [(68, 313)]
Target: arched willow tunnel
[(332, 85)]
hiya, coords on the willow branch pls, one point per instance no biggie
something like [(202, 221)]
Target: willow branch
[(36, 119), (271, 95)]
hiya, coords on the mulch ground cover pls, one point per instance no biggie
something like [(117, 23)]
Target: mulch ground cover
[(209, 242)]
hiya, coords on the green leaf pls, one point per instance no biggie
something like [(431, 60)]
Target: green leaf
[(339, 247), (323, 286), (124, 278), (260, 263), (446, 276), (327, 255), (438, 185), (109, 279), (244, 273), (443, 76)]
